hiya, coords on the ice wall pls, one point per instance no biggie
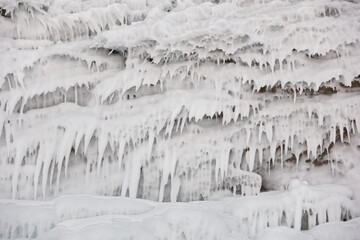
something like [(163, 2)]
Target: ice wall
[(174, 100)]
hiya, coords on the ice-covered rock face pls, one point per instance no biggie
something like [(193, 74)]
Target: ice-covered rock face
[(175, 100)]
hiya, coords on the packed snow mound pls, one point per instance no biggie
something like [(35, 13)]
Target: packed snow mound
[(94, 217), (337, 230)]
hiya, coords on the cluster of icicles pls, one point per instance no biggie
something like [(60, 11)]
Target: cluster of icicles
[(172, 100)]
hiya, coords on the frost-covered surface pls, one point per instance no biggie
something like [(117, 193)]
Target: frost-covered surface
[(180, 100)]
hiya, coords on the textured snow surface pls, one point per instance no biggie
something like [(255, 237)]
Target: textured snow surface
[(95, 217), (178, 101)]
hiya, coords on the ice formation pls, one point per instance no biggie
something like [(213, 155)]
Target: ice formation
[(175, 101)]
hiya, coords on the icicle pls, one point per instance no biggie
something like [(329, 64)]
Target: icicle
[(272, 151), (102, 143), (175, 187), (286, 144), (331, 163), (48, 158), (301, 89), (63, 151), (78, 138), (135, 176), (39, 163), (352, 126), (88, 135), (260, 155), (21, 114), (169, 128), (333, 134), (122, 144), (282, 156), (217, 168), (297, 162), (269, 131), (357, 123), (248, 135), (16, 172), (320, 119), (76, 97), (65, 94), (294, 89), (240, 156), (174, 161), (260, 131), (67, 157), (251, 158), (165, 172), (347, 128), (292, 141), (178, 124), (52, 173), (341, 133), (225, 162), (125, 184), (182, 124)]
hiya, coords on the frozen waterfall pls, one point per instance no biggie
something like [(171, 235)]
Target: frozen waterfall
[(180, 119)]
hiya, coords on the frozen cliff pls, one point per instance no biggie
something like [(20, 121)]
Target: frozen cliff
[(178, 101)]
